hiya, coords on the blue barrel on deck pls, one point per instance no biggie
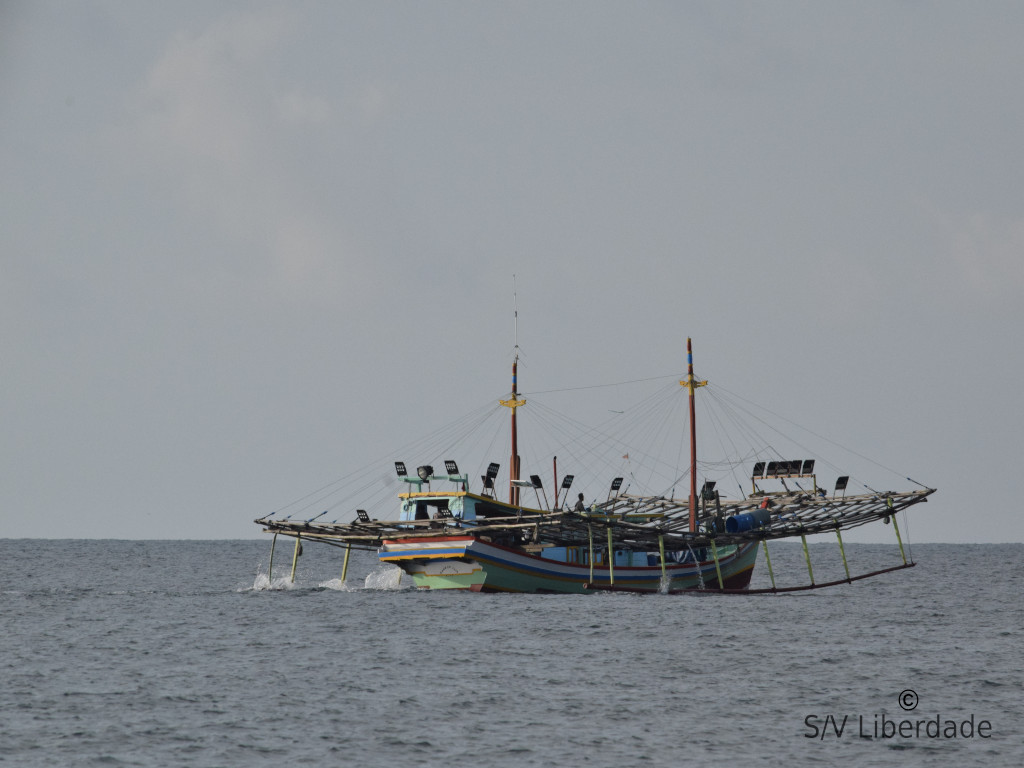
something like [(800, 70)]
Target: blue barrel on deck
[(748, 521)]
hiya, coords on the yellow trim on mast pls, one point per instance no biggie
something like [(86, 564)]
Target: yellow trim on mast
[(691, 383)]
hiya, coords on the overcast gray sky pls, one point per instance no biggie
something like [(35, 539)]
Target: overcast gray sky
[(245, 246)]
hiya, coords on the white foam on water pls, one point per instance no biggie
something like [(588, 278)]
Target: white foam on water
[(665, 584), (700, 570), (262, 582), (339, 585)]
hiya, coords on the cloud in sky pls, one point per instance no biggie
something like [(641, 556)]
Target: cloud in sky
[(213, 115), (247, 245), (989, 252), (204, 104)]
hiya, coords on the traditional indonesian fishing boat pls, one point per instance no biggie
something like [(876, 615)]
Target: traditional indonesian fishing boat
[(702, 543)]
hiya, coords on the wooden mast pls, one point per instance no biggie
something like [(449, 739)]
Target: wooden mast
[(514, 402), (513, 472), (691, 385), (554, 465)]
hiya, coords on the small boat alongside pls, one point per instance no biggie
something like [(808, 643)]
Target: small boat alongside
[(700, 543)]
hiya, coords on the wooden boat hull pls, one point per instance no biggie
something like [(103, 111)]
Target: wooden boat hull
[(470, 563)]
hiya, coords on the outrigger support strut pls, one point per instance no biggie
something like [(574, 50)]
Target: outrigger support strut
[(768, 560), (899, 539), (270, 568), (295, 556)]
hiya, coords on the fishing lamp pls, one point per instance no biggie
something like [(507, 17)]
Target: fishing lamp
[(400, 468), (425, 472), (488, 479), (451, 467)]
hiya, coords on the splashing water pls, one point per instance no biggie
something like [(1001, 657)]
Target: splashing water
[(385, 577), (338, 585), (262, 582), (664, 584), (700, 571)]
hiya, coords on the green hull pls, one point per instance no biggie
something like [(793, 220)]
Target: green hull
[(470, 564)]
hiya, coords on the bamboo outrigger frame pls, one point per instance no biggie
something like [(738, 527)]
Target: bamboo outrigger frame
[(567, 528), (666, 525)]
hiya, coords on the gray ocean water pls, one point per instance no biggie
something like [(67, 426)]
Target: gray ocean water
[(161, 653)]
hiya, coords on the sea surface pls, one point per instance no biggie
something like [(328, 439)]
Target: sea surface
[(183, 653)]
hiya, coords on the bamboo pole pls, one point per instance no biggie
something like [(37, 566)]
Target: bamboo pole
[(661, 551), (807, 557), (611, 558), (590, 536), (718, 569), (802, 588), (842, 551), (295, 556), (270, 573), (344, 568), (896, 527), (768, 560)]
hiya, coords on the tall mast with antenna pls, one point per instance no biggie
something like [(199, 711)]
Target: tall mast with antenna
[(691, 384), (514, 402)]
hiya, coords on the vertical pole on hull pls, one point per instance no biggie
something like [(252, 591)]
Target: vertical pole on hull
[(270, 571), (807, 557), (843, 553), (661, 551), (344, 567), (690, 383), (768, 560), (718, 569), (590, 558), (295, 556), (554, 463), (611, 558)]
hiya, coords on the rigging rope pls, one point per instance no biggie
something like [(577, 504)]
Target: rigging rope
[(820, 437), (610, 447), (598, 386)]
